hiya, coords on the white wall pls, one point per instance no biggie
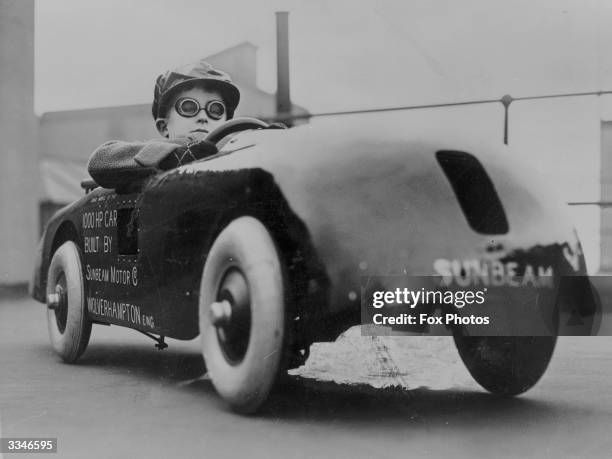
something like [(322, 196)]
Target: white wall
[(18, 149)]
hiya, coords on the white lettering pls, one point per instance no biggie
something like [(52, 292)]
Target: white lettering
[(465, 273), (497, 273), (88, 220), (113, 275), (546, 276), (125, 312), (92, 244), (108, 243), (442, 268), (511, 273), (100, 219), (120, 276), (110, 218), (529, 276), (96, 274), (461, 274), (148, 321)]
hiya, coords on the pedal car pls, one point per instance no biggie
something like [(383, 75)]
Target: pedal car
[(261, 250)]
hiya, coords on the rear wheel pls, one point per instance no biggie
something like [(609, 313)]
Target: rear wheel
[(506, 365), (242, 314), (69, 326)]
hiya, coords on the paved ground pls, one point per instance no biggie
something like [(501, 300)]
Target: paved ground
[(126, 399)]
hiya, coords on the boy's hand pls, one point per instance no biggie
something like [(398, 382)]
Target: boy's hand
[(184, 154)]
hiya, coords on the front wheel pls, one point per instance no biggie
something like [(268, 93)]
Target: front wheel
[(69, 326), (506, 365), (242, 314)]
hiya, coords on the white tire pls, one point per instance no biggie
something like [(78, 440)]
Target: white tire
[(69, 326), (242, 343)]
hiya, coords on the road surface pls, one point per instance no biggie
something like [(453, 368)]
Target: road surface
[(126, 399)]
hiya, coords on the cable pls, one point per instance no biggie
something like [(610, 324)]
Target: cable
[(505, 100), (591, 203)]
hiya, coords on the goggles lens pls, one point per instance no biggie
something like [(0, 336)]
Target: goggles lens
[(189, 108), (215, 109)]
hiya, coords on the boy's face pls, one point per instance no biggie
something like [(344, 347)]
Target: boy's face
[(176, 125)]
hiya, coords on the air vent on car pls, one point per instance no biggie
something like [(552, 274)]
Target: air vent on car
[(475, 192)]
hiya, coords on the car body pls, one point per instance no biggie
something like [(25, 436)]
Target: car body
[(338, 206)]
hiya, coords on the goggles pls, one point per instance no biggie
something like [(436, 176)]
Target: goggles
[(188, 108)]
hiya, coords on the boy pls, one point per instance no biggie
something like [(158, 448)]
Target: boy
[(188, 103)]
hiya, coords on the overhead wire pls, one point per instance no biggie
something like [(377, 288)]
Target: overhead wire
[(505, 100)]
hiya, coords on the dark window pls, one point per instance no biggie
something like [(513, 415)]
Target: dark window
[(127, 231), (475, 192)]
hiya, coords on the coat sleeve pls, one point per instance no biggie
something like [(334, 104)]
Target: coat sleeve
[(116, 163)]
